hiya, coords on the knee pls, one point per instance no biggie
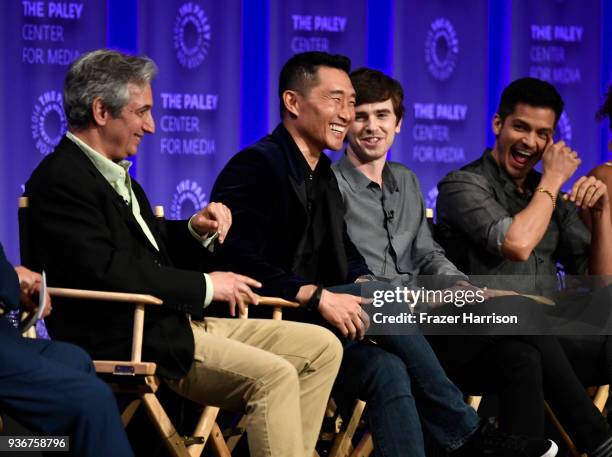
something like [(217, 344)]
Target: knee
[(386, 373), (330, 346), (91, 398), (280, 373), (526, 362), (75, 357), (98, 392)]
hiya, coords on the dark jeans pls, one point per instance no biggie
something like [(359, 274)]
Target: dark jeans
[(404, 385), (523, 371), (590, 356), (50, 387)]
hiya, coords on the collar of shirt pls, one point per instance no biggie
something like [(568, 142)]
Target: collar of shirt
[(510, 187), (115, 173), (304, 166), (358, 181)]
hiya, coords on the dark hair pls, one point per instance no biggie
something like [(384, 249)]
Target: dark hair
[(372, 86), (105, 74), (532, 92), (606, 109), (300, 72)]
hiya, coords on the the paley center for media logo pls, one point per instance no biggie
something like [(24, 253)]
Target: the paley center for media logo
[(441, 48), (188, 199), (192, 35), (48, 121)]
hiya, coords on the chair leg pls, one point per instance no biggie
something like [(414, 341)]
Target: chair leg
[(172, 440), (568, 441), (343, 444), (601, 397), (474, 401), (203, 428), (235, 433), (128, 412), (365, 446), (217, 442)]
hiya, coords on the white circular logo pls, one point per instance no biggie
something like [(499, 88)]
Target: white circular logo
[(564, 129), (431, 197), (188, 199), (192, 35), (48, 121), (441, 48)]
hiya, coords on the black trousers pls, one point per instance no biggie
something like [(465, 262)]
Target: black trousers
[(524, 371)]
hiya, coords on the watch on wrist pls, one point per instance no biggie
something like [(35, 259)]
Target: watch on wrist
[(313, 302)]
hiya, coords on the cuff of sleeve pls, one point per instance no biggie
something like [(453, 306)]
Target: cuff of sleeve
[(209, 290), (497, 235), (208, 240)]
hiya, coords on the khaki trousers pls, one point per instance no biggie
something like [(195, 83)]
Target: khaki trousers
[(278, 373)]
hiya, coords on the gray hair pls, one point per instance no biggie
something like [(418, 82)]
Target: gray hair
[(105, 74)]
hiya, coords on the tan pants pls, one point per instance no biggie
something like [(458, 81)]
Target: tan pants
[(278, 373)]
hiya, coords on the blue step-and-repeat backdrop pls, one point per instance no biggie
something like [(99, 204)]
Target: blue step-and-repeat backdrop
[(219, 65)]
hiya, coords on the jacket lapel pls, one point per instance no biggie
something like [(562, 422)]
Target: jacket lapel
[(123, 209), (296, 176)]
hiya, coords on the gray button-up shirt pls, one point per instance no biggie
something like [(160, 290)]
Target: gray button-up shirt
[(475, 209), (389, 225)]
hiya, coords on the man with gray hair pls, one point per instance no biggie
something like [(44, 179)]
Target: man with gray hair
[(92, 227)]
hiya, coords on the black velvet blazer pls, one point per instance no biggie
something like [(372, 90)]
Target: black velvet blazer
[(263, 186)]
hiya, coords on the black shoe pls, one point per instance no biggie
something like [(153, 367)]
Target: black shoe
[(487, 441)]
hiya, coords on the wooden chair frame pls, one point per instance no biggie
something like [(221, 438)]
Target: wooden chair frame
[(144, 382)]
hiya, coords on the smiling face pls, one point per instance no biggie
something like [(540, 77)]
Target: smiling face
[(122, 134), (373, 131), (520, 139), (320, 118)]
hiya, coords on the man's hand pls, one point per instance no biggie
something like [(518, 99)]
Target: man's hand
[(234, 289), (215, 217), (344, 312), (589, 193), (29, 283), (559, 162)]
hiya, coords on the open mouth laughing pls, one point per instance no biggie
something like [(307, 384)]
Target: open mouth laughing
[(521, 157), (337, 129)]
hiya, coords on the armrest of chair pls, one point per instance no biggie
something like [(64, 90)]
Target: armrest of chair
[(106, 296), (139, 300), (277, 303)]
